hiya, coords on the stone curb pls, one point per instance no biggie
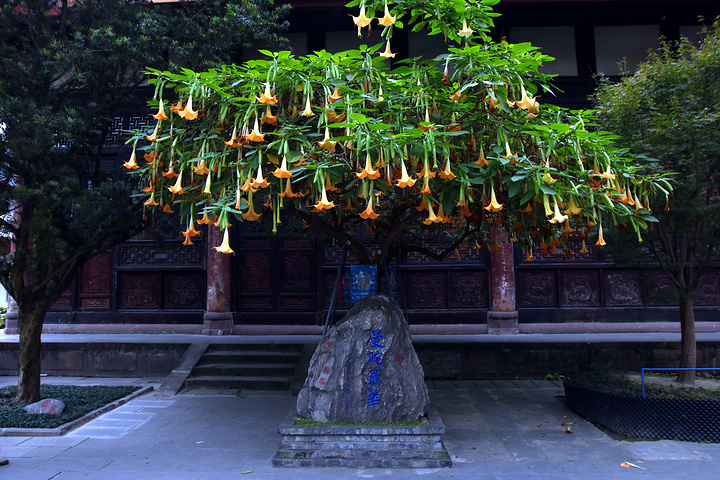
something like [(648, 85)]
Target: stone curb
[(66, 427)]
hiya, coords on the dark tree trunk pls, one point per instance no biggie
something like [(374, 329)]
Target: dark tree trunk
[(31, 323), (688, 354)]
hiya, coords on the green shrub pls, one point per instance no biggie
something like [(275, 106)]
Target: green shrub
[(78, 400)]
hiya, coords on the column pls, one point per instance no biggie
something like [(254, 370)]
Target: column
[(218, 317), (503, 316)]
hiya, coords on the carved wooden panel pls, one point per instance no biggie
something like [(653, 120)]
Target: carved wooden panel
[(96, 275), (296, 272), (660, 290), (328, 282), (467, 255), (579, 288), (333, 253), (536, 288), (709, 291), (133, 254), (296, 302), (95, 302), (251, 243), (138, 290), (255, 273), (256, 301), (426, 290), (622, 289), (468, 289), (295, 242), (184, 290)]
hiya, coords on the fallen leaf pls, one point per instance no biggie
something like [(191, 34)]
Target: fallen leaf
[(247, 471)]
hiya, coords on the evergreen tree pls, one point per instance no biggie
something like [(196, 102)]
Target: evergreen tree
[(65, 68), (669, 110)]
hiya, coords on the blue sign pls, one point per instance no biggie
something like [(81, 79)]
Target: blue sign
[(363, 281)]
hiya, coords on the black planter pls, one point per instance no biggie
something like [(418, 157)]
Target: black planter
[(660, 418)]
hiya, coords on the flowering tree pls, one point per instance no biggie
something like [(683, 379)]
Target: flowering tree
[(65, 69), (459, 143)]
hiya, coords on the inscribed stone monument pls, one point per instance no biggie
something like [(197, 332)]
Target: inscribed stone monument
[(365, 369)]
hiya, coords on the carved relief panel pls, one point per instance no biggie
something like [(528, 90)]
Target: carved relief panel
[(579, 288), (709, 291), (426, 290), (138, 290), (622, 289), (468, 289), (536, 288)]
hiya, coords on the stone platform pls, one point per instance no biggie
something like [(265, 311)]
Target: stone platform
[(363, 446)]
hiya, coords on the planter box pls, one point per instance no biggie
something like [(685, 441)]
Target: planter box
[(362, 446), (660, 418)]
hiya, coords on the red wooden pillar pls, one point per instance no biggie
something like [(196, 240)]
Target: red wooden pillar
[(503, 316), (218, 317)]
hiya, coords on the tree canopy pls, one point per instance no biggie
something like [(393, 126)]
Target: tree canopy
[(66, 67), (669, 111), (457, 142)]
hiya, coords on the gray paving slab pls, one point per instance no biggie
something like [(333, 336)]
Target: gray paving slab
[(512, 432)]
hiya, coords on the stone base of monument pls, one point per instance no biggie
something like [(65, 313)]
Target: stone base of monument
[(363, 446)]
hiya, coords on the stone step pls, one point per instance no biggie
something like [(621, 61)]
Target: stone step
[(290, 458), (414, 439), (364, 453), (246, 382), (371, 446), (245, 356), (245, 369)]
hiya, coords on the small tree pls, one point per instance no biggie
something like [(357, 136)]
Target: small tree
[(670, 111), (65, 68)]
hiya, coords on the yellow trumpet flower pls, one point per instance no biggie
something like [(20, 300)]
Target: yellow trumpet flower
[(601, 240), (308, 110), (558, 217), (323, 204), (132, 163), (447, 174), (225, 246), (160, 115), (465, 31), (387, 53), (267, 97), (260, 181), (326, 144), (493, 206), (282, 171), (369, 213), (405, 180), (256, 135), (388, 19), (188, 113), (368, 172), (177, 188), (361, 20)]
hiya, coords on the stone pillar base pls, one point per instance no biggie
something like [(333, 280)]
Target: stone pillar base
[(217, 323), (12, 323), (502, 323)]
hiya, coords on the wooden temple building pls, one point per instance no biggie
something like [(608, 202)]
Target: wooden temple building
[(281, 284)]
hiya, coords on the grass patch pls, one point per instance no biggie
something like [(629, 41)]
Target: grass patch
[(657, 385), (79, 400), (313, 423)]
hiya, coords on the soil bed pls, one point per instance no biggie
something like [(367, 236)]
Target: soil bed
[(613, 400), (79, 400), (707, 387)]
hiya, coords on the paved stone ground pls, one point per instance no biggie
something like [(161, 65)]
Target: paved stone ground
[(495, 430)]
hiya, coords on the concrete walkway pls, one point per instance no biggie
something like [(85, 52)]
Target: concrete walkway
[(495, 430)]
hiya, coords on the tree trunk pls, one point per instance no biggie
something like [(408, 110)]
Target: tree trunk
[(31, 323), (688, 354)]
